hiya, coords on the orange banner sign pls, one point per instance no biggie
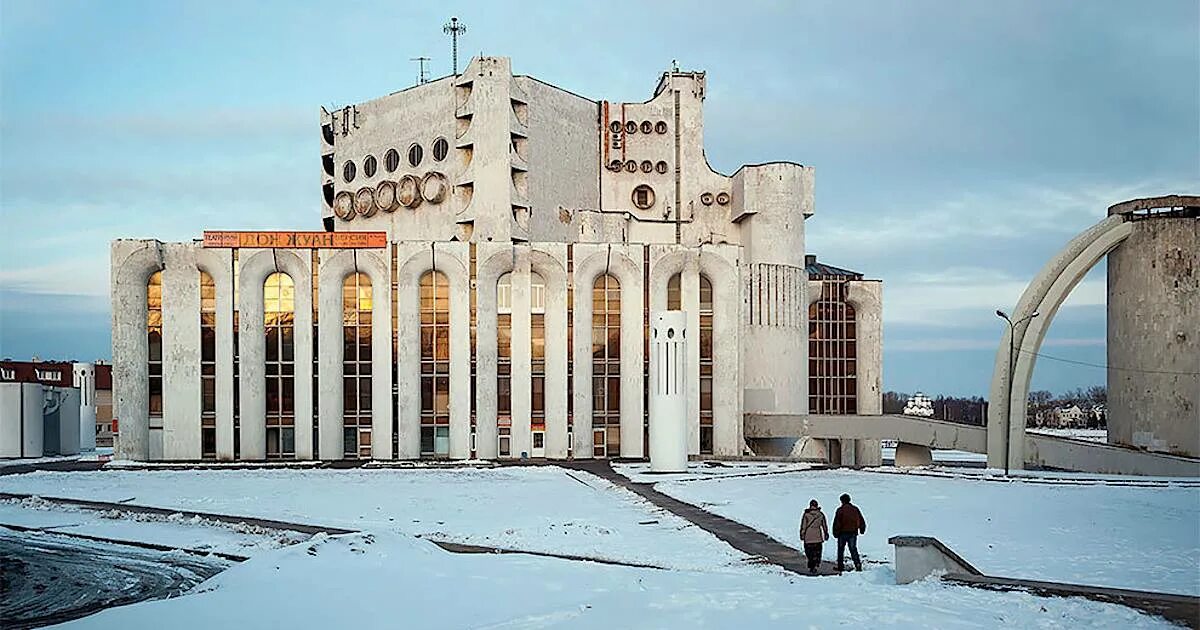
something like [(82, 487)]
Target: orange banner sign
[(300, 240)]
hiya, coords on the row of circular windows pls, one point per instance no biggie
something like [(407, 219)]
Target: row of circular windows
[(409, 192), (391, 160), (632, 166), (633, 127)]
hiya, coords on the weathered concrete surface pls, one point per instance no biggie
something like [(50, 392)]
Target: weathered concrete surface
[(1040, 450), (913, 455), (1180, 609), (1154, 337), (918, 557), (931, 433)]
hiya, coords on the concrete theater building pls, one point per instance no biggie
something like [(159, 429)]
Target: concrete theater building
[(494, 249)]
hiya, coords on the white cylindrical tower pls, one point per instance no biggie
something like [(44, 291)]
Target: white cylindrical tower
[(668, 392), (85, 380)]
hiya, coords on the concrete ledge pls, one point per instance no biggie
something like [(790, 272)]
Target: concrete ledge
[(1181, 609), (1056, 452), (918, 557)]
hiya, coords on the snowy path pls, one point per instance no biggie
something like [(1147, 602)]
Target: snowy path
[(1144, 538), (543, 509)]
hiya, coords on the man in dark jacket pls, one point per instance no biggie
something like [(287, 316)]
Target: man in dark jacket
[(848, 523)]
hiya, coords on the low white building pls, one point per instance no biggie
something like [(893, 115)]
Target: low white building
[(495, 249)]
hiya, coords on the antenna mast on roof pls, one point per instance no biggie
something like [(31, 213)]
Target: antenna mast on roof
[(454, 28), (422, 75)]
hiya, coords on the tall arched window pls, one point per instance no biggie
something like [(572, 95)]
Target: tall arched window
[(674, 293), (706, 366), (154, 349), (537, 363), (435, 364), (208, 366), (279, 313), (606, 367), (504, 365), (356, 366)]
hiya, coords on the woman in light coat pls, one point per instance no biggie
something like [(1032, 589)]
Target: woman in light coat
[(813, 532)]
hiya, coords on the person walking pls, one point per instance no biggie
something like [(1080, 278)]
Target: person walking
[(813, 532), (848, 523)]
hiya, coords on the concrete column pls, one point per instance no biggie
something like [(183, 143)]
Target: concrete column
[(414, 260), (85, 380), (588, 264), (491, 261), (181, 353), (331, 275), (720, 265), (521, 351), (668, 392), (451, 259), (626, 265), (549, 261), (131, 264), (377, 264)]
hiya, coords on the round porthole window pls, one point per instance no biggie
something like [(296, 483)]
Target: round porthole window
[(643, 197), (615, 126), (723, 198), (614, 165), (369, 166), (647, 126), (706, 199), (661, 126), (343, 206), (348, 171), (391, 160), (415, 153), (631, 127), (647, 166), (661, 167), (440, 149), (631, 166), (364, 201)]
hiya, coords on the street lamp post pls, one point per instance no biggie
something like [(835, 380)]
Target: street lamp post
[(1012, 346)]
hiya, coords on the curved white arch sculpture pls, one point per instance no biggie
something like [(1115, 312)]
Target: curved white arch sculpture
[(1044, 295)]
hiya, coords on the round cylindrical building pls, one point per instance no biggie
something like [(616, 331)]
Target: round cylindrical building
[(1154, 333)]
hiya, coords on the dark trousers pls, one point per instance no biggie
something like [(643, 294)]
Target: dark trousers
[(848, 540), (813, 552)]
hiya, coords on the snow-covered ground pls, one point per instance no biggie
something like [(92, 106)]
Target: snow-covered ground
[(1087, 435), (389, 581), (192, 534), (1085, 533), (386, 577), (545, 509)]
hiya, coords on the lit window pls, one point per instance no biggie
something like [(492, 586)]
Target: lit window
[(356, 366), (435, 364), (154, 354), (279, 313)]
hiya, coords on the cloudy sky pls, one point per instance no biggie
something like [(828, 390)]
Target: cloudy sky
[(957, 144)]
